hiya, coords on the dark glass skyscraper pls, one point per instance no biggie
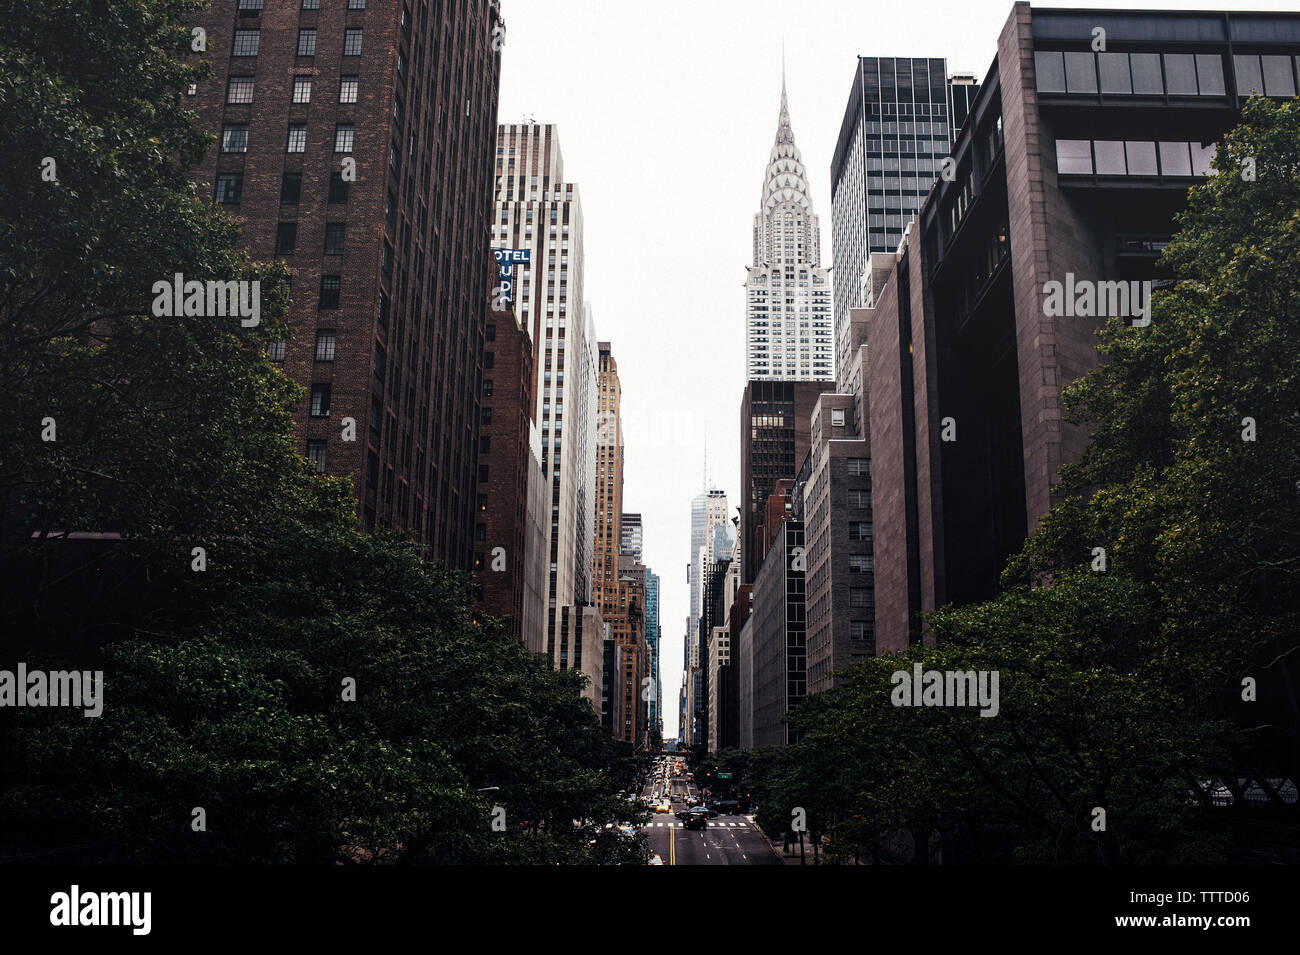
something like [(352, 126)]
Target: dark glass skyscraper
[(898, 127)]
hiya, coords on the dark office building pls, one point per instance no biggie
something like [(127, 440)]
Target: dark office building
[(777, 641), (775, 421), (897, 127), (355, 141), (1073, 162)]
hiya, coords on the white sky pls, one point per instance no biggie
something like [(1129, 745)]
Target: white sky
[(666, 114)]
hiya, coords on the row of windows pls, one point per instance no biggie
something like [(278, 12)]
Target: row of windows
[(1126, 158), (239, 89), (249, 42), (306, 4), (286, 238), (234, 138), (230, 188), (1155, 74)]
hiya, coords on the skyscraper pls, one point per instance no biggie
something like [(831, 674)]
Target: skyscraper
[(630, 539), (537, 211), (788, 333), (897, 128), (652, 636), (355, 144)]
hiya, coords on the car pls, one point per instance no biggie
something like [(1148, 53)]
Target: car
[(663, 806), (696, 819), (654, 859), (712, 811), (683, 814)]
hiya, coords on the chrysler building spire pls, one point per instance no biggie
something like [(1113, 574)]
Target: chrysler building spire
[(788, 331)]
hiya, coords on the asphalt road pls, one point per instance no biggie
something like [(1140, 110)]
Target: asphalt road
[(728, 840)]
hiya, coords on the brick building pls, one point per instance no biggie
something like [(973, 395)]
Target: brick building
[(1071, 162), (505, 471), (355, 141)]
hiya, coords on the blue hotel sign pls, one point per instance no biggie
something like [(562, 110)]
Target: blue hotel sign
[(506, 261)]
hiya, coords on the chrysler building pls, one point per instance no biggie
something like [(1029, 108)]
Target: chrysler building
[(788, 335)]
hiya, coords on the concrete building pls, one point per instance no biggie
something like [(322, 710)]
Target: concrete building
[(583, 629), (349, 147), (778, 638), (631, 537), (1073, 163), (539, 213), (788, 335), (609, 484)]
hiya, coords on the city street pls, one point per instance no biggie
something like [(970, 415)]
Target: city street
[(728, 840)]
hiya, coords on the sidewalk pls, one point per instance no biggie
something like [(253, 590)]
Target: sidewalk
[(778, 847)]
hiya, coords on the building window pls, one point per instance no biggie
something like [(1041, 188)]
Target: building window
[(480, 532), (348, 86), (297, 138), (325, 344), (311, 4), (343, 137), (1147, 79), (246, 43), (862, 630), (316, 454), (1073, 157), (329, 291), (250, 5), (487, 387), (286, 236), (239, 89), (334, 238), (234, 138), (859, 467), (860, 499), (320, 400), (351, 42), (356, 4), (837, 417), (859, 598), (1180, 74), (275, 351), (859, 530), (1049, 71), (486, 417), (338, 187), (302, 89), (861, 564), (306, 42), (489, 359), (485, 444), (290, 187), (230, 186), (490, 333)]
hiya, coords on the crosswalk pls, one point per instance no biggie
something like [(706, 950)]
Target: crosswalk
[(712, 825)]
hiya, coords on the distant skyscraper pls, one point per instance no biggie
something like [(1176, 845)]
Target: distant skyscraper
[(898, 126), (630, 542), (538, 211), (652, 635), (788, 333)]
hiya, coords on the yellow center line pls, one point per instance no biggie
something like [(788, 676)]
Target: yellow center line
[(672, 846)]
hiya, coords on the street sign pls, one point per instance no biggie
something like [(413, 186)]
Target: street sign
[(724, 775)]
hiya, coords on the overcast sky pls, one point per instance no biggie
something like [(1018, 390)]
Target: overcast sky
[(666, 114)]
